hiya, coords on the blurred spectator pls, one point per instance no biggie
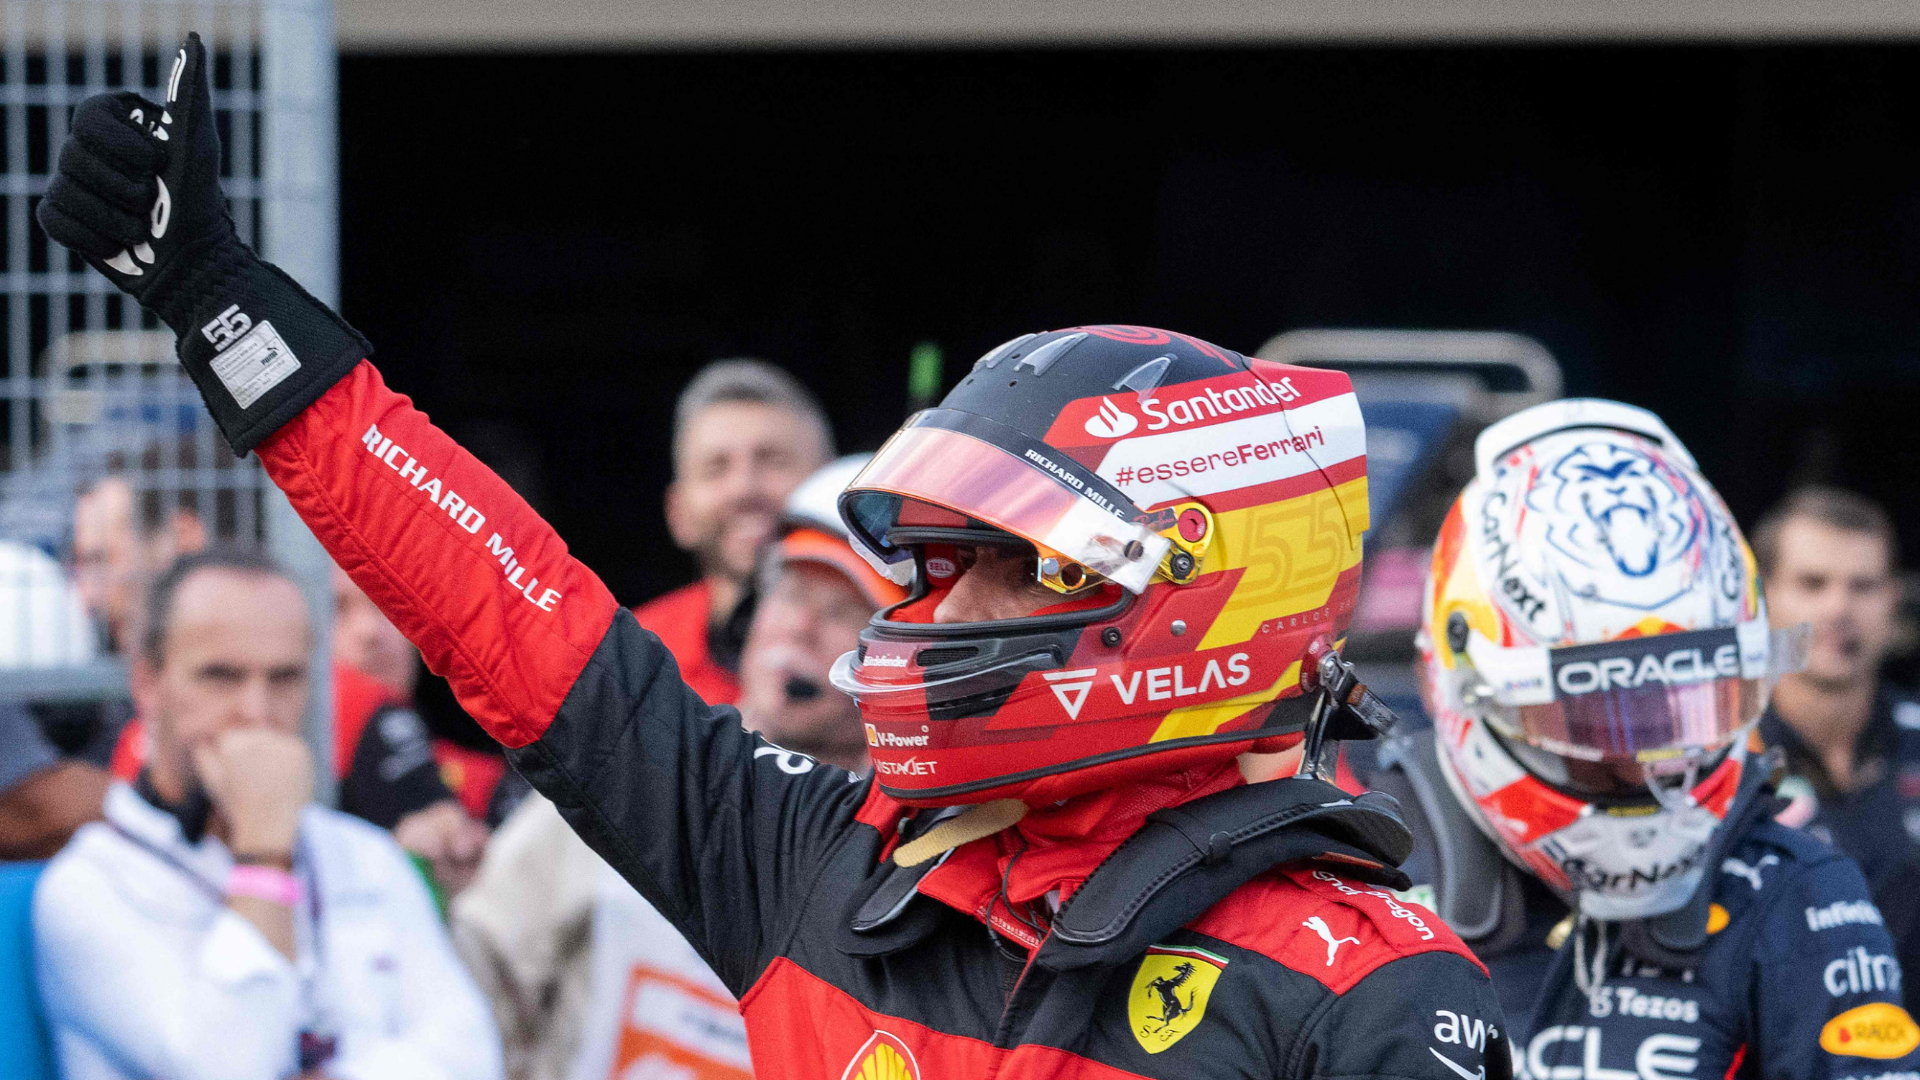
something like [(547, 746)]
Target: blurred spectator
[(816, 595), (43, 620), (44, 796), (43, 799), (219, 923), (389, 767), (364, 640), (1852, 742), (124, 532), (121, 538), (745, 434), (568, 951)]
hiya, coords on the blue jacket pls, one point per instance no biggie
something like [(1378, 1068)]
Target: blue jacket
[(1800, 981), (1798, 977), (1878, 824)]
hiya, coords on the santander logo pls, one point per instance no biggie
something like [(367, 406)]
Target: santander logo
[(1110, 422)]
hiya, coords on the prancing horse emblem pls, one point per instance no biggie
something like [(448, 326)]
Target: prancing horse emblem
[(1168, 988), (1170, 993)]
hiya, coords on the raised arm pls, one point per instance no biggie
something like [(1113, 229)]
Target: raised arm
[(710, 823)]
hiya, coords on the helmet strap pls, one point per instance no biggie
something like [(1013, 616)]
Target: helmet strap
[(1346, 710), (976, 823), (1591, 978), (1678, 796)]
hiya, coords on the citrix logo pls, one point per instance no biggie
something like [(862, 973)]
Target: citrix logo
[(1860, 971), (1110, 422)]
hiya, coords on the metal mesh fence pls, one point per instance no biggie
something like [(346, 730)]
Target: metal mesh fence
[(94, 400)]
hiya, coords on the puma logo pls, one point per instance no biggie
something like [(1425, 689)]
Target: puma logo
[(1750, 873), (1319, 926), (129, 260)]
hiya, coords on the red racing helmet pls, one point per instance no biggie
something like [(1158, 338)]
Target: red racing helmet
[(1196, 515)]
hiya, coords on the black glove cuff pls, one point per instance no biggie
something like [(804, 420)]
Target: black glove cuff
[(259, 347)]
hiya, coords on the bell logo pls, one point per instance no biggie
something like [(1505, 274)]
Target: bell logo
[(1875, 1030), (882, 1057), (1073, 694), (1110, 422)]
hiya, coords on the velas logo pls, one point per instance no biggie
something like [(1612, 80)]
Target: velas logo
[(1110, 422), (882, 1057), (1071, 688), (1170, 994), (1875, 1030)]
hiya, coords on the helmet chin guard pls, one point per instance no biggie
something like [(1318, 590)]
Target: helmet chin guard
[(1191, 523)]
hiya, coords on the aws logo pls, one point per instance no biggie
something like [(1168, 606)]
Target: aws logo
[(1110, 422), (882, 1057)]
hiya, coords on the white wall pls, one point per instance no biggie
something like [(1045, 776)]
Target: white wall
[(368, 25)]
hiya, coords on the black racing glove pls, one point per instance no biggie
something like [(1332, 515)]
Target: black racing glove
[(138, 196)]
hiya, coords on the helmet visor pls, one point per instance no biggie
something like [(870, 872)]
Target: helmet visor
[(1642, 699), (1033, 496), (1642, 723)]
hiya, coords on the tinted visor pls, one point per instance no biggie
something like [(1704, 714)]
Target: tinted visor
[(1030, 495), (1640, 699), (1614, 781), (1634, 722)]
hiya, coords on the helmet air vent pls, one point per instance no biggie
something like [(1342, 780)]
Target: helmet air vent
[(1044, 357), (946, 654), (1145, 379)]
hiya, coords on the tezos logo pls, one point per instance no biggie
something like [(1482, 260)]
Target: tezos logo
[(1110, 422)]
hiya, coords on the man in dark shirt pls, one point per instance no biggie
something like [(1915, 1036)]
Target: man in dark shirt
[(1852, 741)]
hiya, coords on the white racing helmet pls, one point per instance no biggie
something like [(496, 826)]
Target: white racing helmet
[(1595, 653)]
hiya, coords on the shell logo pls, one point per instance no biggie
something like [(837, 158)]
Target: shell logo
[(882, 1057)]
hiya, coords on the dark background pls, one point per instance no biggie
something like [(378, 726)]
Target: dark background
[(544, 248)]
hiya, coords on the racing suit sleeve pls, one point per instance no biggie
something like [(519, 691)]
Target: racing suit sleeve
[(1827, 983), (718, 829), (1430, 1015)]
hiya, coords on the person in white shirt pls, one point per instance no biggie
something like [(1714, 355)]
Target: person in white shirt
[(217, 923)]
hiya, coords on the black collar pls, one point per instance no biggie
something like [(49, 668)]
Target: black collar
[(191, 812), (1878, 741)]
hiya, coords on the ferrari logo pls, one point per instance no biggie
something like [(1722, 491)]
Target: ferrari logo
[(1170, 992), (882, 1057)]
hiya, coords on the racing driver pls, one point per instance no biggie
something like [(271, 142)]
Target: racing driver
[(1598, 822), (1131, 555)]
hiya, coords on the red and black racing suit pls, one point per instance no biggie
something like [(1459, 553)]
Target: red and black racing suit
[(752, 851)]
